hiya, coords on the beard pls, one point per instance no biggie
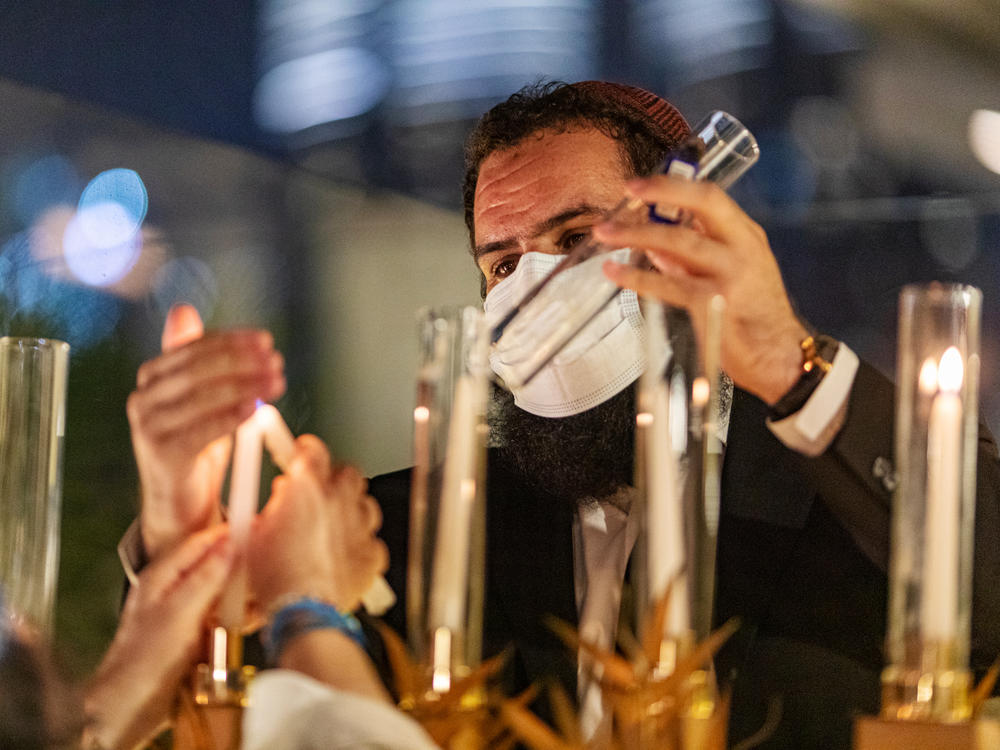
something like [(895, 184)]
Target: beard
[(579, 459)]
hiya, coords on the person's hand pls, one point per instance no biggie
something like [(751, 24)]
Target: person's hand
[(723, 252), (157, 640), (316, 535), (186, 404)]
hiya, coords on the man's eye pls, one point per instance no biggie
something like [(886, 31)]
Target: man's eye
[(572, 239), (505, 267)]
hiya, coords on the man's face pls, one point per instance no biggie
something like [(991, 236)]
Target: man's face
[(543, 195)]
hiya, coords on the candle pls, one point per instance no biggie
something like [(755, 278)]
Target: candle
[(278, 439), (280, 443), (665, 519), (266, 428), (939, 603), (244, 489), (458, 494)]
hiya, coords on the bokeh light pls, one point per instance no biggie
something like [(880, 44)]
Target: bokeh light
[(97, 264), (82, 316), (112, 207), (103, 241), (336, 84)]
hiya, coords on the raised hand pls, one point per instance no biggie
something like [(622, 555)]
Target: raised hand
[(722, 251), (186, 404), (157, 641)]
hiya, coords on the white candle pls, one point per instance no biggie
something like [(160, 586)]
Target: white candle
[(458, 493), (665, 532), (244, 489), (280, 443), (939, 601), (278, 439)]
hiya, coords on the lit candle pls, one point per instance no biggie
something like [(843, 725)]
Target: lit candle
[(458, 494), (278, 439), (939, 602), (280, 443), (244, 489)]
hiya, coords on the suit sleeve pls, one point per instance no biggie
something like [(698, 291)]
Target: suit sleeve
[(857, 477)]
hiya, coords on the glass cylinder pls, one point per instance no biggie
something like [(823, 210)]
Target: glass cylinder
[(677, 478), (446, 563), (33, 376), (677, 452), (930, 586)]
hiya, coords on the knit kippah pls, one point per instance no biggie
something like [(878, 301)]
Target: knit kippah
[(655, 110)]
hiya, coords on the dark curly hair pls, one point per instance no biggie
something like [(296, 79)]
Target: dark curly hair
[(558, 106)]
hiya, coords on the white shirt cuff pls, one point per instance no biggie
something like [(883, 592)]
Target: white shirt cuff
[(812, 428)]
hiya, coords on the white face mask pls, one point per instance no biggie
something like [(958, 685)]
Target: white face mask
[(599, 362)]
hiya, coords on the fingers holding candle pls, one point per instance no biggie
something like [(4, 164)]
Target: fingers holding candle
[(316, 535), (187, 403)]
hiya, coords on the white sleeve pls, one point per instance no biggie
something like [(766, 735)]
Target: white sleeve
[(812, 428), (290, 711)]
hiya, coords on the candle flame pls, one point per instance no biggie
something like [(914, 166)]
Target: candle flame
[(644, 419), (441, 675), (950, 371), (220, 643), (699, 391), (467, 490), (928, 377), (421, 414)]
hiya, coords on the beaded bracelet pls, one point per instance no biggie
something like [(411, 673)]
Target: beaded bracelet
[(303, 615)]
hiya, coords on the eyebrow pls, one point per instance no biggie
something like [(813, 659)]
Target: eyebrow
[(546, 225)]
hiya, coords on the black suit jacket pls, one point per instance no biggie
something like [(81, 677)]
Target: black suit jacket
[(802, 554)]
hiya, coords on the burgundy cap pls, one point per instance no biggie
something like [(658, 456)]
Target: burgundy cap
[(661, 113)]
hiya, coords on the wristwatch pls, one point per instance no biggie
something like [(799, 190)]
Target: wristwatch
[(818, 352)]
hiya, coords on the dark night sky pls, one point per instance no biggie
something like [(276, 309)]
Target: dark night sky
[(184, 64)]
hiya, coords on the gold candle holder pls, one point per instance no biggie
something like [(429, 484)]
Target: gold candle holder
[(210, 714), (224, 680)]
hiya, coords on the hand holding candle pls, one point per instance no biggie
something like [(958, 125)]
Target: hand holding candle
[(280, 443), (266, 429), (316, 535), (182, 414)]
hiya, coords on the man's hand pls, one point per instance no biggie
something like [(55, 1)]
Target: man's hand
[(186, 404), (722, 252), (157, 641), (316, 535)]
